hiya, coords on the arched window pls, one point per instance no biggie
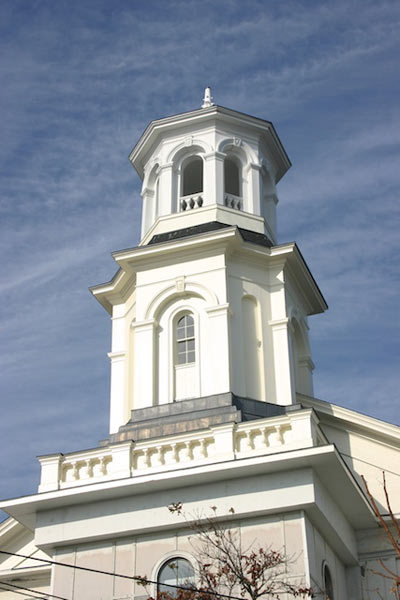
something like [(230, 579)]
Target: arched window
[(185, 340), (175, 572), (231, 177), (192, 176), (328, 584)]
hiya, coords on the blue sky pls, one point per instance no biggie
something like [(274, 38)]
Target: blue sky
[(81, 80)]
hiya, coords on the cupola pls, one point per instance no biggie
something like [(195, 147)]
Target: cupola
[(210, 164)]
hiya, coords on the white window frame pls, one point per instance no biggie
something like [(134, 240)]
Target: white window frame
[(185, 340), (174, 317), (168, 556)]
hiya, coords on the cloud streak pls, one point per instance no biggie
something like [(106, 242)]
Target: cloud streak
[(80, 83)]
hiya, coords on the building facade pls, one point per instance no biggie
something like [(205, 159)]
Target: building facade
[(211, 393)]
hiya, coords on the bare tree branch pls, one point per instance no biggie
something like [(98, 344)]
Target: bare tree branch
[(224, 566), (388, 574)]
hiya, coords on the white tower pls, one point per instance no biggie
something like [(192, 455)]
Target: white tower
[(208, 304)]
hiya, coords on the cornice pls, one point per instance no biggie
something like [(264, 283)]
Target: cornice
[(220, 113), (40, 570), (288, 256), (325, 460), (357, 422), (306, 283), (228, 239), (9, 526)]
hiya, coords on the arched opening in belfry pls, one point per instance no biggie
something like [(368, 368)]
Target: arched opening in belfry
[(232, 177), (192, 176)]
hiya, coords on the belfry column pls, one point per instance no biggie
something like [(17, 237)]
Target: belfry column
[(165, 190), (254, 198), (214, 178), (148, 209)]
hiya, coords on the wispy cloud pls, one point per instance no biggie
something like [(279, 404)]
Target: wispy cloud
[(81, 81)]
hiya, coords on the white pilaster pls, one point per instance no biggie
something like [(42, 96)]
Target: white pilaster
[(144, 363), (224, 441), (304, 427), (216, 377), (50, 472), (121, 460), (283, 380), (306, 367), (117, 395)]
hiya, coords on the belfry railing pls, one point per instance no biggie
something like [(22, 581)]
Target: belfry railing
[(232, 201), (190, 202)]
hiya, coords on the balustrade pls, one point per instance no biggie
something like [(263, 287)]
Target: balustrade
[(83, 469), (264, 436), (232, 201), (196, 201), (169, 454)]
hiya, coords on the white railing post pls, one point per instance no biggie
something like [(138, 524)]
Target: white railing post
[(50, 472)]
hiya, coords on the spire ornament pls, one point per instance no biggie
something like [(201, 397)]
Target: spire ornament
[(208, 99)]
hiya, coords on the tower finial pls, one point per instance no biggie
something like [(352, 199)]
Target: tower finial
[(208, 99)]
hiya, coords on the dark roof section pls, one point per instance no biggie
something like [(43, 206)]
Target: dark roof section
[(247, 235), (177, 234), (193, 415), (255, 238)]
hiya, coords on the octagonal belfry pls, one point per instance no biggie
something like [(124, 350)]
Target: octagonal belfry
[(206, 163)]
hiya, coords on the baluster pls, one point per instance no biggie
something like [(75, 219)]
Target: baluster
[(266, 436), (255, 439), (75, 468), (175, 452), (187, 451), (103, 465), (250, 440), (280, 434), (190, 450), (136, 459), (160, 455), (65, 470), (148, 457), (203, 443), (89, 468)]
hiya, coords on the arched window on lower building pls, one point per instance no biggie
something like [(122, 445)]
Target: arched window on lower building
[(328, 584), (175, 572)]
